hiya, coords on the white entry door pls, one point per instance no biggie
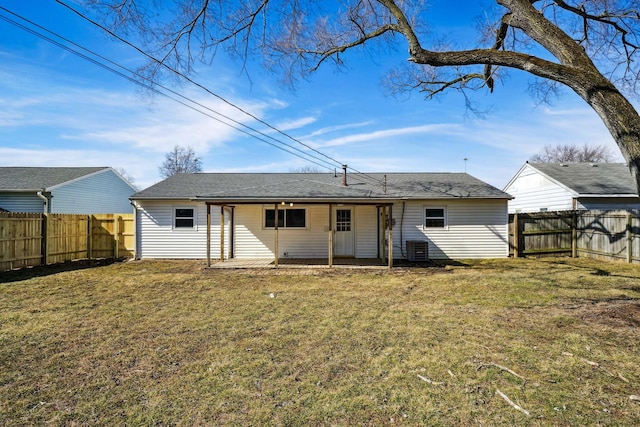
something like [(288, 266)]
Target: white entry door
[(343, 242)]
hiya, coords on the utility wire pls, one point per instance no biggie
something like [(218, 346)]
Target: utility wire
[(182, 75), (188, 79), (152, 86)]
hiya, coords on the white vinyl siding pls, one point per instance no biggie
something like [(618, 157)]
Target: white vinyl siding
[(534, 192), (366, 227), (21, 202), (253, 240), (103, 192), (157, 237), (475, 229)]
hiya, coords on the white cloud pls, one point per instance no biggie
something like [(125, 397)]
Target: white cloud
[(386, 133), (331, 129), (295, 123)]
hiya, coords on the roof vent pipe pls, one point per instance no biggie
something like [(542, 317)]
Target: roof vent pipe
[(344, 175)]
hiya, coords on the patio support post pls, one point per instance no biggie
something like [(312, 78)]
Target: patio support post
[(383, 235), (390, 236), (574, 235), (330, 235), (208, 235), (221, 233), (275, 262), (629, 237), (232, 227), (378, 232)]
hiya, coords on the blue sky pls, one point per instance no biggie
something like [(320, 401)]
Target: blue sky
[(59, 110)]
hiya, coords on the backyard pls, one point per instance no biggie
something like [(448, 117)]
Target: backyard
[(554, 341)]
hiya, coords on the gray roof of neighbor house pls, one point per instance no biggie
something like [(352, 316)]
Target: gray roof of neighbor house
[(276, 187), (40, 178), (603, 179)]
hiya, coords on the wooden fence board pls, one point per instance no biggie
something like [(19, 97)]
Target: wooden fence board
[(28, 239), (600, 234), (20, 240)]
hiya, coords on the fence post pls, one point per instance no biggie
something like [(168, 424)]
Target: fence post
[(116, 231), (516, 236), (89, 237), (629, 238), (45, 238), (574, 234)]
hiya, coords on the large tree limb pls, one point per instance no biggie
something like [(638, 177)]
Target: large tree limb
[(326, 54)]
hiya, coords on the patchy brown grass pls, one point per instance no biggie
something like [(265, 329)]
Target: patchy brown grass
[(172, 343)]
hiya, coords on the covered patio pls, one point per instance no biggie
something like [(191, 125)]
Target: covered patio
[(384, 210), (354, 263)]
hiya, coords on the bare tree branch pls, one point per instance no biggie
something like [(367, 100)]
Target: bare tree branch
[(589, 46)]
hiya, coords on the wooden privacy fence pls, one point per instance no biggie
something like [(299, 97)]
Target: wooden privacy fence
[(599, 234), (28, 239)]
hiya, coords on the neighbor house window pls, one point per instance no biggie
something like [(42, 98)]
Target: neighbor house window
[(287, 218), (184, 218), (435, 217)]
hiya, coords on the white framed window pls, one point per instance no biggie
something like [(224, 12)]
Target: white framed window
[(184, 217), (435, 217), (287, 218)]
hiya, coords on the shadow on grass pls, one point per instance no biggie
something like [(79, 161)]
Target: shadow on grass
[(47, 270), (403, 263)]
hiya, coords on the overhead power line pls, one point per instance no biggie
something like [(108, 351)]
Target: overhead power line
[(188, 79), (199, 85), (138, 79), (153, 86)]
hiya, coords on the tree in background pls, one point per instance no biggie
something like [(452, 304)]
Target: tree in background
[(589, 46), (123, 173), (566, 153), (306, 169), (180, 160)]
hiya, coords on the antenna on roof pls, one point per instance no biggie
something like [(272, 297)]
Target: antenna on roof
[(465, 165)]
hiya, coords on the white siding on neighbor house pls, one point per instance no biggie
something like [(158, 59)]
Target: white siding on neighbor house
[(103, 192), (475, 229), (157, 237), (21, 202), (533, 192)]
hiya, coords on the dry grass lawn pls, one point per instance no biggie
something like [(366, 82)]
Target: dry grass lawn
[(147, 342)]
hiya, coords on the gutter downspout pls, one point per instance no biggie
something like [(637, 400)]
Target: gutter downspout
[(45, 199)]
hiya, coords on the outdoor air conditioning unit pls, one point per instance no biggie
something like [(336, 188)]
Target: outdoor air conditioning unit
[(417, 250)]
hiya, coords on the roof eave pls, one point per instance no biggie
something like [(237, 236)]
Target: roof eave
[(22, 190), (300, 200), (609, 196)]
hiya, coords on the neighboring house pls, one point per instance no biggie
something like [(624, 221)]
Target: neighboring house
[(539, 187), (73, 190), (458, 215)]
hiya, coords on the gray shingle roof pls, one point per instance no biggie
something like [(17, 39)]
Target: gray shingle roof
[(319, 186), (38, 178), (587, 178)]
